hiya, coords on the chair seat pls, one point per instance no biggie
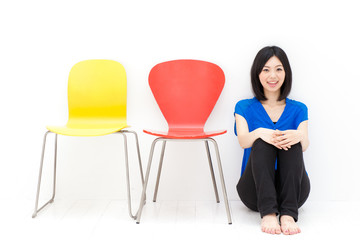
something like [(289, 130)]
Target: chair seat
[(185, 133), (87, 131)]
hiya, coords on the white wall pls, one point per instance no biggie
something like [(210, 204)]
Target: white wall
[(41, 40)]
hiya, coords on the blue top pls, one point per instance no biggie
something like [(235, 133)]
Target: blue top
[(256, 116)]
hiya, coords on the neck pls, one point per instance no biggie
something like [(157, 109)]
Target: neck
[(272, 98)]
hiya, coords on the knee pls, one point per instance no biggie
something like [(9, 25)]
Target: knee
[(260, 145), (263, 154), (294, 150), (297, 147), (292, 159)]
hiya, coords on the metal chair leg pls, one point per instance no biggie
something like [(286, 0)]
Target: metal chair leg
[(212, 171), (222, 180), (127, 175), (142, 201), (127, 168), (138, 153), (159, 170), (55, 163), (36, 210), (139, 157)]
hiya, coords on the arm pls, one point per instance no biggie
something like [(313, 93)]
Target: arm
[(246, 138), (303, 128), (285, 139)]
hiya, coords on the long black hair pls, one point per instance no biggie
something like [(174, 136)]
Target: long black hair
[(260, 60)]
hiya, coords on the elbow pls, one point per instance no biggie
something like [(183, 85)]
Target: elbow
[(305, 145), (243, 145)]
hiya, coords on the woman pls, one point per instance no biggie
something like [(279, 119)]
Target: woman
[(273, 130)]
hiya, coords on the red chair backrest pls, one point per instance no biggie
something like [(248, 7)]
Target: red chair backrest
[(186, 91)]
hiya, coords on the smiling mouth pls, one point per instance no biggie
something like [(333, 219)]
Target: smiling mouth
[(272, 84)]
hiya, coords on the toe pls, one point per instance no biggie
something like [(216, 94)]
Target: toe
[(294, 231), (285, 230)]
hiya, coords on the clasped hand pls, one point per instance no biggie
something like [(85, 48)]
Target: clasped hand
[(285, 139)]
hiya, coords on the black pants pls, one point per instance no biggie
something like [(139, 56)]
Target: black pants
[(266, 190)]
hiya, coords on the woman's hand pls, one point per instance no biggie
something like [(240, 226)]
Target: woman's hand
[(268, 135), (285, 139)]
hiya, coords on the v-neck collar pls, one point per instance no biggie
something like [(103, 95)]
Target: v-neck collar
[(267, 115)]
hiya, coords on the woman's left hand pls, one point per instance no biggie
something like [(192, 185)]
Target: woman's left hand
[(285, 139)]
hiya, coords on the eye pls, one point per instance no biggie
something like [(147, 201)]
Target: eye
[(279, 69), (265, 70)]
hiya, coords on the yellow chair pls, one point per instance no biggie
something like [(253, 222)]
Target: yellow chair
[(97, 106)]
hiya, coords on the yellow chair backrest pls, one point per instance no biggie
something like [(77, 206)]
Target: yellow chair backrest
[(97, 94)]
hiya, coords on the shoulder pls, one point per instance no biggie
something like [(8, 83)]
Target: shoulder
[(296, 104), (298, 110), (245, 103)]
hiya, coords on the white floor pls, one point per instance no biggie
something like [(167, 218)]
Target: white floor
[(109, 219)]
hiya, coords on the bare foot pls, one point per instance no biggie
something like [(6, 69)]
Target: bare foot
[(288, 225), (270, 224)]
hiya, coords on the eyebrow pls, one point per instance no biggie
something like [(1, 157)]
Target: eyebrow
[(275, 66)]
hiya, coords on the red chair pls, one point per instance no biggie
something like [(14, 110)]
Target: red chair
[(186, 92)]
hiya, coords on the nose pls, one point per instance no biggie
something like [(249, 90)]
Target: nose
[(273, 74)]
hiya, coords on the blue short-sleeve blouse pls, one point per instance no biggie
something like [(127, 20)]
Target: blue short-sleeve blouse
[(255, 115)]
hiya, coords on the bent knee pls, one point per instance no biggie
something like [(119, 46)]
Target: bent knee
[(261, 144), (296, 148)]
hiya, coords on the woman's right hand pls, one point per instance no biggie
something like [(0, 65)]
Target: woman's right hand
[(266, 134)]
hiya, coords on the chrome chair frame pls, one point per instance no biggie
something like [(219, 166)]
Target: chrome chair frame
[(123, 133), (164, 140)]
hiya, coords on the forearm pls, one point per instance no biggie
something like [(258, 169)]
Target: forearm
[(246, 140), (303, 129), (305, 142)]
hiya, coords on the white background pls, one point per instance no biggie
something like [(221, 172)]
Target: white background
[(41, 40)]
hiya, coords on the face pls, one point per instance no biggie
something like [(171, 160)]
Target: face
[(272, 76)]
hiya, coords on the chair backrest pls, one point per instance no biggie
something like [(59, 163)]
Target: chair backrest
[(186, 91), (97, 90)]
